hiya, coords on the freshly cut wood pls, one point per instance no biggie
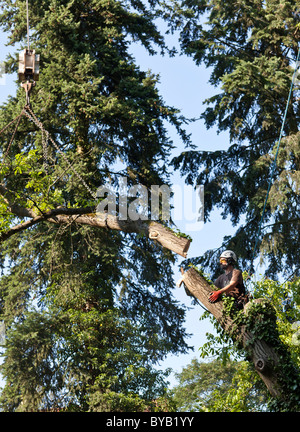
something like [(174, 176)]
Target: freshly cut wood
[(154, 230), (264, 356), (168, 239), (87, 216)]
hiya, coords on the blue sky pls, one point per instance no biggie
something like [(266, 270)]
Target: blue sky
[(184, 86)]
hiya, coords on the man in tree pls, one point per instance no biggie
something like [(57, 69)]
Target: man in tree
[(231, 282)]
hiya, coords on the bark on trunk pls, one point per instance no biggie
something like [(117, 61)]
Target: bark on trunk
[(87, 216), (263, 356)]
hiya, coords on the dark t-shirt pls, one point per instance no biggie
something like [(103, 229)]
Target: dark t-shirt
[(225, 279)]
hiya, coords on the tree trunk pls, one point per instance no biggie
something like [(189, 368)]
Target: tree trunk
[(264, 356)]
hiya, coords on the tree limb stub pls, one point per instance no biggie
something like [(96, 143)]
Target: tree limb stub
[(87, 216), (263, 356)]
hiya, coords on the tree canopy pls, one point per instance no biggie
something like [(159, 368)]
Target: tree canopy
[(218, 387), (250, 48), (88, 312)]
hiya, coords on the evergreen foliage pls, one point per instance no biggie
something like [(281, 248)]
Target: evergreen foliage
[(218, 387), (250, 48), (88, 312)]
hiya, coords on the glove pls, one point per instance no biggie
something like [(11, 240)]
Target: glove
[(214, 296)]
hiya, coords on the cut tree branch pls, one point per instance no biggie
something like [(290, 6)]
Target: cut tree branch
[(87, 216)]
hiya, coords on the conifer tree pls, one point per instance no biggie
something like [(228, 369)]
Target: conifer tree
[(88, 312), (251, 48)]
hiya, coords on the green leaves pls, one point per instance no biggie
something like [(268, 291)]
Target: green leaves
[(108, 119), (271, 319), (215, 387)]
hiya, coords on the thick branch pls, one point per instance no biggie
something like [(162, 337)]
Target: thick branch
[(12, 206), (35, 219), (153, 230), (87, 216), (201, 289)]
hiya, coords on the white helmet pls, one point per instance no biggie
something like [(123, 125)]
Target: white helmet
[(228, 254)]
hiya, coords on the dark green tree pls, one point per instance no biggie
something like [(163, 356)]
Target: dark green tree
[(88, 311), (218, 387), (250, 48)]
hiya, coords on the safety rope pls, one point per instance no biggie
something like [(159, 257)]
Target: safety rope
[(17, 119), (275, 160), (10, 123), (28, 112), (27, 16), (13, 137)]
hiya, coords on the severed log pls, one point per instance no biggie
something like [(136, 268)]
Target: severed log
[(168, 239), (86, 216), (263, 356), (153, 230)]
